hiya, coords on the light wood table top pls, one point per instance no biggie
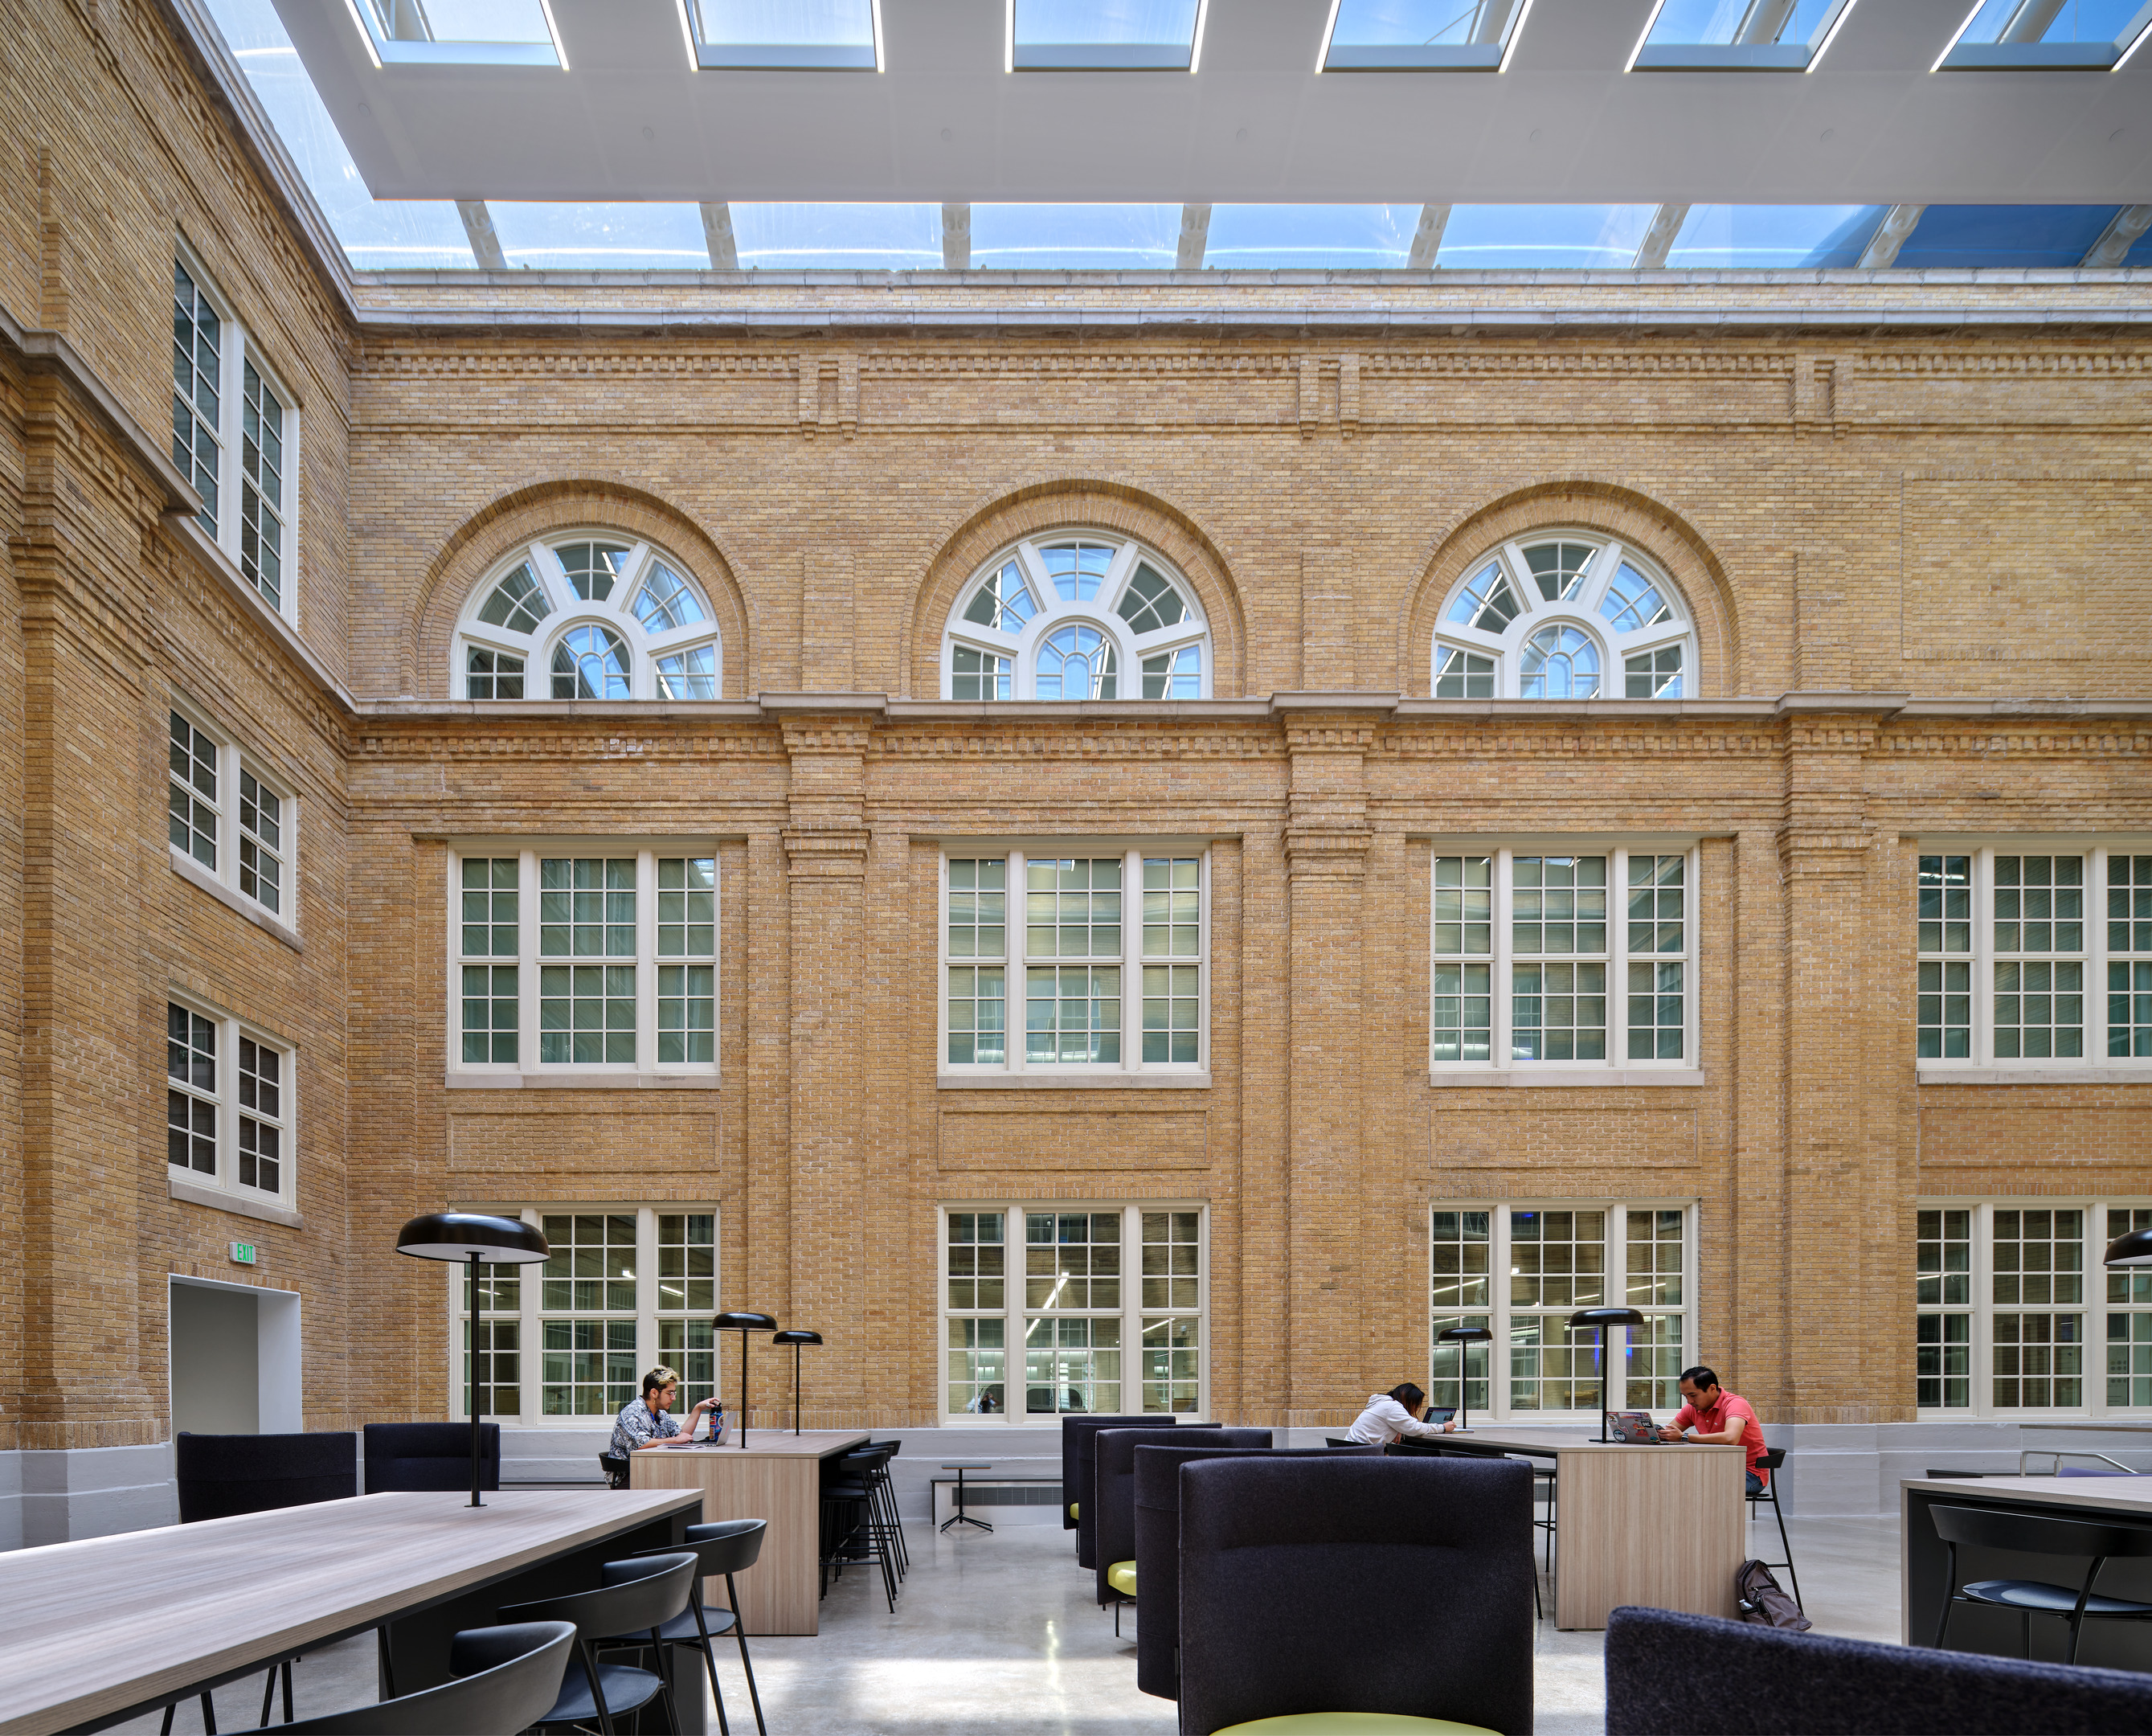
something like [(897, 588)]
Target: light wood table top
[(808, 1444), (92, 1629), (2129, 1495), (1549, 1446)]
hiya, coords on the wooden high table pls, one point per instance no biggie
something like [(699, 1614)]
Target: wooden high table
[(777, 1477), (93, 1633), (1664, 1525)]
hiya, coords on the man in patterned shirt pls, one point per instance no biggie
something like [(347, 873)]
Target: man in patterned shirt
[(644, 1423)]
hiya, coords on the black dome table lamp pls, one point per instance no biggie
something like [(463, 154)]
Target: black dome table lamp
[(744, 1321), (2132, 1248), (1601, 1319), (795, 1336), (1463, 1337), (476, 1236)]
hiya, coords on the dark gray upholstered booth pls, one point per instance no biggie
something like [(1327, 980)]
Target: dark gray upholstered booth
[(1339, 1583), (430, 1455), (222, 1475), (1071, 1428), (1114, 1485), (1087, 1471), (1157, 1501), (1767, 1682)]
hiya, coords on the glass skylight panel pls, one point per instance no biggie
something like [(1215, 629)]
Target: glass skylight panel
[(1763, 36), (378, 234), (838, 237), (809, 35), (1075, 237), (1289, 236), (1773, 237), (2004, 235), (600, 237), (459, 32), (1104, 35), (1382, 36), (1515, 237), (2066, 34)]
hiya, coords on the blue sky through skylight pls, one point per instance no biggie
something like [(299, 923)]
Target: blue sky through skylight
[(462, 21), (2074, 20), (785, 33), (1774, 237), (1372, 35), (1512, 237), (1355, 236), (2004, 235), (1075, 237), (1045, 35), (1716, 20), (594, 237), (838, 237)]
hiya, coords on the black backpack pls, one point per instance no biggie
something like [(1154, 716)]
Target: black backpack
[(1759, 1598)]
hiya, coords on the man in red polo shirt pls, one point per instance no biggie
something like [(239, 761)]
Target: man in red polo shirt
[(1719, 1417)]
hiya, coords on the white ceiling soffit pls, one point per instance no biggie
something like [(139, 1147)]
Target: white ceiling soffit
[(629, 120)]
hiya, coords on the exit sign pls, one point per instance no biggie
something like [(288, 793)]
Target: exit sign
[(243, 1253)]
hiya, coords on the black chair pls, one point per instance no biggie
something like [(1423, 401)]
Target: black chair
[(615, 1467), (2037, 1534), (1768, 1682), (1087, 1477), (1543, 1484), (1336, 1441), (633, 1597), (1114, 1488), (223, 1475), (853, 1532), (727, 1547), (505, 1676), (430, 1455), (1071, 1427), (1773, 1458), (1158, 1547), (1338, 1583), (892, 1513)]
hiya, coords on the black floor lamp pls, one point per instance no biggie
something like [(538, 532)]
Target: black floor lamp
[(795, 1336), (1463, 1337), (1601, 1319), (476, 1238), (2133, 1248), (744, 1321)]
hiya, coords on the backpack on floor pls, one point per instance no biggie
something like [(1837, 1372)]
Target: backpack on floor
[(1759, 1598)]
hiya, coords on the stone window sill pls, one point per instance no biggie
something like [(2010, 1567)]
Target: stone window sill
[(1500, 1079), (189, 870), (196, 1193), (2034, 1075), (579, 1078), (1102, 1081)]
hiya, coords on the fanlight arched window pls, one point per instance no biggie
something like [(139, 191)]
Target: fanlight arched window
[(1077, 615), (1564, 615), (588, 615)]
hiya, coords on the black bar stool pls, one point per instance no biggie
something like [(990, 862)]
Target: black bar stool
[(2036, 1533), (727, 1547), (1773, 1457), (634, 1596)]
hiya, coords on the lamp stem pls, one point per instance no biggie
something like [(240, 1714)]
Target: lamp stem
[(477, 1310), (796, 1389), (1605, 1334)]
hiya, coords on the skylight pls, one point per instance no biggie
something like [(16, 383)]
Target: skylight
[(1105, 35), (809, 35), (838, 237), (1367, 237), (1384, 36), (592, 237), (1595, 237), (2004, 235), (458, 32), (378, 234), (1075, 237), (2094, 35), (1758, 36), (1773, 237)]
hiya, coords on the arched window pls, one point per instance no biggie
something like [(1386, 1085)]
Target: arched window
[(1077, 615), (587, 615), (1564, 615)]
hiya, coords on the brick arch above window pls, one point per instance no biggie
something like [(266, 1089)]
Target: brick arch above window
[(1050, 512), (480, 552), (1610, 516)]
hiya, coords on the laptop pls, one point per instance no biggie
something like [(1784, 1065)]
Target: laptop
[(1439, 1415), (1634, 1427)]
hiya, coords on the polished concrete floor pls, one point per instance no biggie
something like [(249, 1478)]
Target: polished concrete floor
[(999, 1634)]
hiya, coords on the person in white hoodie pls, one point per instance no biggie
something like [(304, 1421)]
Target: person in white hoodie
[(1394, 1414)]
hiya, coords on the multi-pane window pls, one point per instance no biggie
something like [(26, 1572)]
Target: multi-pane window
[(1072, 618), (2013, 956), (1560, 1258), (1097, 1282), (1527, 954), (234, 430), (1092, 927), (228, 1119), (2008, 1314), (623, 1288), (609, 956), (245, 844)]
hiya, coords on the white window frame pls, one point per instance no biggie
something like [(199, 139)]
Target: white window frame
[(1015, 959), (1015, 1312), (1054, 612), (2096, 953), (230, 1028), (1983, 1308), (531, 1315), (1500, 956), (236, 350), (225, 879), (528, 960), (1500, 1310)]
